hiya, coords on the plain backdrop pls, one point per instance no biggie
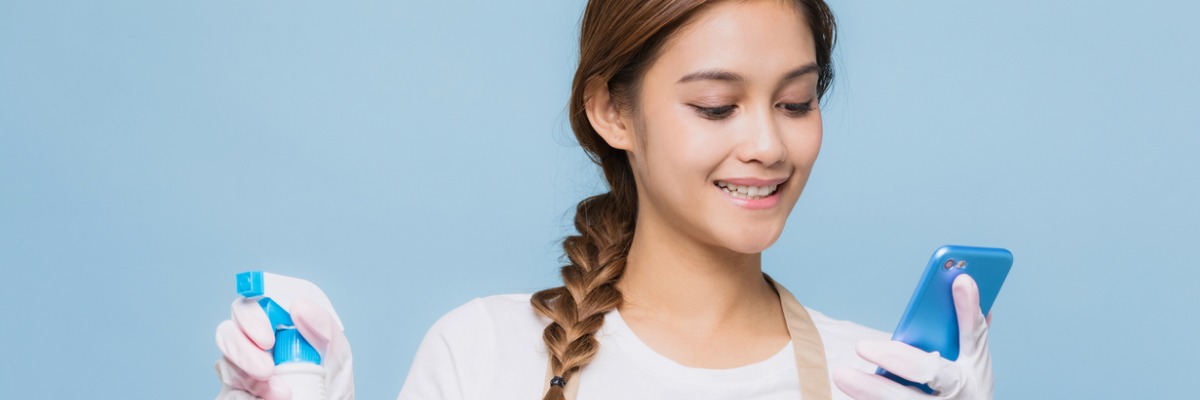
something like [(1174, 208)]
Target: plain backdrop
[(408, 156)]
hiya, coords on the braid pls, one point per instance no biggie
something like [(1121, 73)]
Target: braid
[(597, 260), (616, 44)]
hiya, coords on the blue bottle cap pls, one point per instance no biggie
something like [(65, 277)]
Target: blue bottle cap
[(291, 347)]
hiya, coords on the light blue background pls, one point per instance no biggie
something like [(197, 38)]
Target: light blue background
[(408, 156)]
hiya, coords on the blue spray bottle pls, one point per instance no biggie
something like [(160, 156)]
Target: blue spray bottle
[(296, 361)]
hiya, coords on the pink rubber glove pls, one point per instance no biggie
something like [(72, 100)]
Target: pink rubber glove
[(246, 368), (968, 378)]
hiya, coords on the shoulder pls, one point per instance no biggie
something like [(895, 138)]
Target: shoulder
[(491, 327), (490, 313), (472, 350)]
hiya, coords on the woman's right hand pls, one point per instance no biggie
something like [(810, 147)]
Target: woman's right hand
[(246, 368)]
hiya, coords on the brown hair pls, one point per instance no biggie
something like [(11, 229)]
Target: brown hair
[(618, 41)]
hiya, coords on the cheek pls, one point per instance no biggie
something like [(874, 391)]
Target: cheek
[(692, 146), (805, 144)]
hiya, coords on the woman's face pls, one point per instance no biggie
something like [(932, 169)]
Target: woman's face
[(728, 126)]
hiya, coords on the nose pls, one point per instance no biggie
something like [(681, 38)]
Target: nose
[(762, 141)]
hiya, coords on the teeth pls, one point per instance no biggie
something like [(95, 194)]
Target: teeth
[(747, 192)]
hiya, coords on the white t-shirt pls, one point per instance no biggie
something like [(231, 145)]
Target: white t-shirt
[(491, 348)]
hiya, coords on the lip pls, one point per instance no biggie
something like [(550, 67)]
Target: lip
[(753, 181), (753, 204)]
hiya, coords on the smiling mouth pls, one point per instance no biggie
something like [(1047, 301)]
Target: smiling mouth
[(747, 192)]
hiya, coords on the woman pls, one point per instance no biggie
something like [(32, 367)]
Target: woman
[(705, 118)]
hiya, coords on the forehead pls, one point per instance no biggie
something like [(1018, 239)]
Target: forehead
[(759, 39)]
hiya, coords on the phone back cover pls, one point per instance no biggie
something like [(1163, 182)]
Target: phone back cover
[(930, 322)]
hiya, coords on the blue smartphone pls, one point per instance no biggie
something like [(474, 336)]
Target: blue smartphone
[(930, 322)]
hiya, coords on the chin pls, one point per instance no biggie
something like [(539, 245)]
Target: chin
[(751, 242)]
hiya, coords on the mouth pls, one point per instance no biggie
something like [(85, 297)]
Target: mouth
[(747, 192)]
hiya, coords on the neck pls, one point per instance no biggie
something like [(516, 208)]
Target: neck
[(669, 276)]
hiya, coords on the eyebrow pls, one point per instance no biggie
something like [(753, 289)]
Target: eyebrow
[(727, 76)]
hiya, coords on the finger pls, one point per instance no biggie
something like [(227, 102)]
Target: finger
[(972, 326), (253, 321), (234, 394), (863, 386), (315, 324), (989, 319), (232, 377), (966, 302), (237, 385), (902, 359), (243, 353), (318, 326)]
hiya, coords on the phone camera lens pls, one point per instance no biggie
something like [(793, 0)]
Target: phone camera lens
[(949, 264)]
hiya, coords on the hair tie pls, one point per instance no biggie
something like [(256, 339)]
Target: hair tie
[(558, 381)]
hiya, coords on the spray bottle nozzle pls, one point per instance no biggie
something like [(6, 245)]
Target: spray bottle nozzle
[(290, 346), (250, 284)]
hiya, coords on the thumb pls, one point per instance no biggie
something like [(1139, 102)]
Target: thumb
[(973, 353), (319, 327), (315, 324), (966, 307)]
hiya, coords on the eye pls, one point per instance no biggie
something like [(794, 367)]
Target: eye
[(714, 113), (797, 109)]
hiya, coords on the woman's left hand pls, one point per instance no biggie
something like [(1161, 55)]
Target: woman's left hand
[(970, 377)]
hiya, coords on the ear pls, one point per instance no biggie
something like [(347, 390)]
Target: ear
[(606, 118)]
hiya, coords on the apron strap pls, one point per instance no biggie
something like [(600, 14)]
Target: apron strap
[(811, 366)]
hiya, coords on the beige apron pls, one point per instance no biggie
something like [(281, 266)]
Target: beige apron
[(810, 352)]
